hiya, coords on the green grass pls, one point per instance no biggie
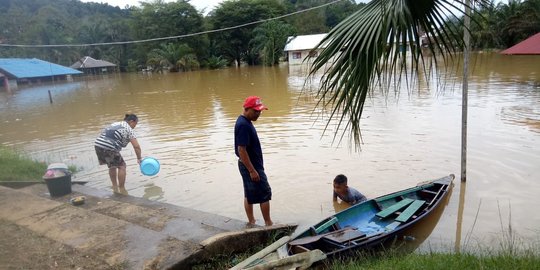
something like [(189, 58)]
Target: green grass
[(228, 260), (441, 261), (16, 167)]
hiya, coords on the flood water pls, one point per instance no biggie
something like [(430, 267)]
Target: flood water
[(187, 122)]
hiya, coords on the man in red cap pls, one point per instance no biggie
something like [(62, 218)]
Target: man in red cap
[(250, 163)]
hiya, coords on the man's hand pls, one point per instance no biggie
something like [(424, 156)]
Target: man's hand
[(254, 176)]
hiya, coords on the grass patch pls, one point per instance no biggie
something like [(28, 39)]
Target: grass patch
[(228, 260), (440, 261), (512, 252), (16, 167)]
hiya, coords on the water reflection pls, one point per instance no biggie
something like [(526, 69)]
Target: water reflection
[(459, 222), (186, 121), (340, 206), (412, 238), (153, 192)]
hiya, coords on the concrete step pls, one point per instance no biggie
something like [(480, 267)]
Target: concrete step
[(129, 230)]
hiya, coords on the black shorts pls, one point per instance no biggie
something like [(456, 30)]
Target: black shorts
[(113, 159), (255, 192)]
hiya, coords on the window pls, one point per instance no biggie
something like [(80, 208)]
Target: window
[(296, 55)]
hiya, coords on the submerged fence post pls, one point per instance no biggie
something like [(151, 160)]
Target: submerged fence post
[(50, 96)]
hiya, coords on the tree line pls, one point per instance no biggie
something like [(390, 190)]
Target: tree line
[(53, 22)]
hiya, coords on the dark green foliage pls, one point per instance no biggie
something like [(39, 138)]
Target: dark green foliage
[(159, 19), (269, 41), (216, 62), (51, 22), (234, 44)]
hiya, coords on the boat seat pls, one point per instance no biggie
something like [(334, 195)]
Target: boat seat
[(428, 191), (343, 237), (410, 210), (331, 222), (312, 239), (394, 208), (295, 249)]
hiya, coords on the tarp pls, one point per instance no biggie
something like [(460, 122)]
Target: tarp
[(528, 46)]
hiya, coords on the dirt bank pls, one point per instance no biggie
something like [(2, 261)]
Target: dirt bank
[(24, 249)]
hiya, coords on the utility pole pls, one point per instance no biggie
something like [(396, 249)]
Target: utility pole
[(465, 93)]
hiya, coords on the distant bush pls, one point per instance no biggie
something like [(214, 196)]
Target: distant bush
[(216, 62)]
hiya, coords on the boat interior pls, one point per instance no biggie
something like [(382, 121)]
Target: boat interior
[(369, 221)]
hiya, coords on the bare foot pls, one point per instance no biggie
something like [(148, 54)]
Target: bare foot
[(123, 191), (268, 223), (115, 189), (251, 225)]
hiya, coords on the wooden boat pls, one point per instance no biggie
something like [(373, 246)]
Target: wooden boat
[(364, 226)]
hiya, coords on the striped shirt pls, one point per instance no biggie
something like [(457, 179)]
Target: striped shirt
[(115, 137)]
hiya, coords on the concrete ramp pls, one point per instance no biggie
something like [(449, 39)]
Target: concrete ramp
[(130, 231)]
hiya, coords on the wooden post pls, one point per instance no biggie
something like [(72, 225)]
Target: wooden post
[(465, 93), (50, 96), (6, 84)]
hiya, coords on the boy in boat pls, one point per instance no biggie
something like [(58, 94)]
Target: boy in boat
[(346, 193)]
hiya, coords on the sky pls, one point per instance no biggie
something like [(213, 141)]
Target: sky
[(198, 4)]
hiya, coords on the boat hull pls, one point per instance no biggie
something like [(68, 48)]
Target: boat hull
[(373, 224)]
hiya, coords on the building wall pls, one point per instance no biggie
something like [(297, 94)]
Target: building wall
[(298, 57), (8, 85)]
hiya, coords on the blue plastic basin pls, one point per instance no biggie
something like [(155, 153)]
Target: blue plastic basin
[(149, 166)]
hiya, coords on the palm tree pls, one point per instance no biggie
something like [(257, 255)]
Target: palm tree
[(365, 53), (176, 57), (269, 41)]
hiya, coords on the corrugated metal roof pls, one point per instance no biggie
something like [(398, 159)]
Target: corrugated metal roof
[(528, 46), (89, 62), (306, 42), (33, 68)]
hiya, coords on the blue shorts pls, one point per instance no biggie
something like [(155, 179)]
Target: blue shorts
[(255, 192)]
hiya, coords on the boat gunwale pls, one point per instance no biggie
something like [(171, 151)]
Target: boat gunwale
[(445, 183)]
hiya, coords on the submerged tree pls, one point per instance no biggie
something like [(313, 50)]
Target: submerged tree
[(270, 39), (365, 53), (174, 56)]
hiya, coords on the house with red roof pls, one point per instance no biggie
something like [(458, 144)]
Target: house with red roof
[(526, 47)]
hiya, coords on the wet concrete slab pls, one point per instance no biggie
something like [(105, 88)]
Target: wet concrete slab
[(131, 231)]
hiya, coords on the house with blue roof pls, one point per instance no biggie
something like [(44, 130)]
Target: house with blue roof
[(14, 71)]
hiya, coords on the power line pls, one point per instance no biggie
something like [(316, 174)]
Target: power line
[(167, 38)]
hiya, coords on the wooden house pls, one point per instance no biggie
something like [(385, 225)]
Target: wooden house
[(89, 65), (300, 48)]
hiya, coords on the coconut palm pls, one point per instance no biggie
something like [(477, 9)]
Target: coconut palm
[(363, 52), (269, 40), (176, 57)]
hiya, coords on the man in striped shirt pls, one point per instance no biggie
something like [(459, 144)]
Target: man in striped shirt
[(109, 143)]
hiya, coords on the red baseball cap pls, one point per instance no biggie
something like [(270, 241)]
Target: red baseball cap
[(255, 103)]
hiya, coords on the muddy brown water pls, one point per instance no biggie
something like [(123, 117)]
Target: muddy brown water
[(187, 120)]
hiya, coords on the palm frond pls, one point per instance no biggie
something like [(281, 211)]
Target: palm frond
[(363, 53)]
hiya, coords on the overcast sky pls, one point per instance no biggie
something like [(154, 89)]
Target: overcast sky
[(208, 5), (198, 4)]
